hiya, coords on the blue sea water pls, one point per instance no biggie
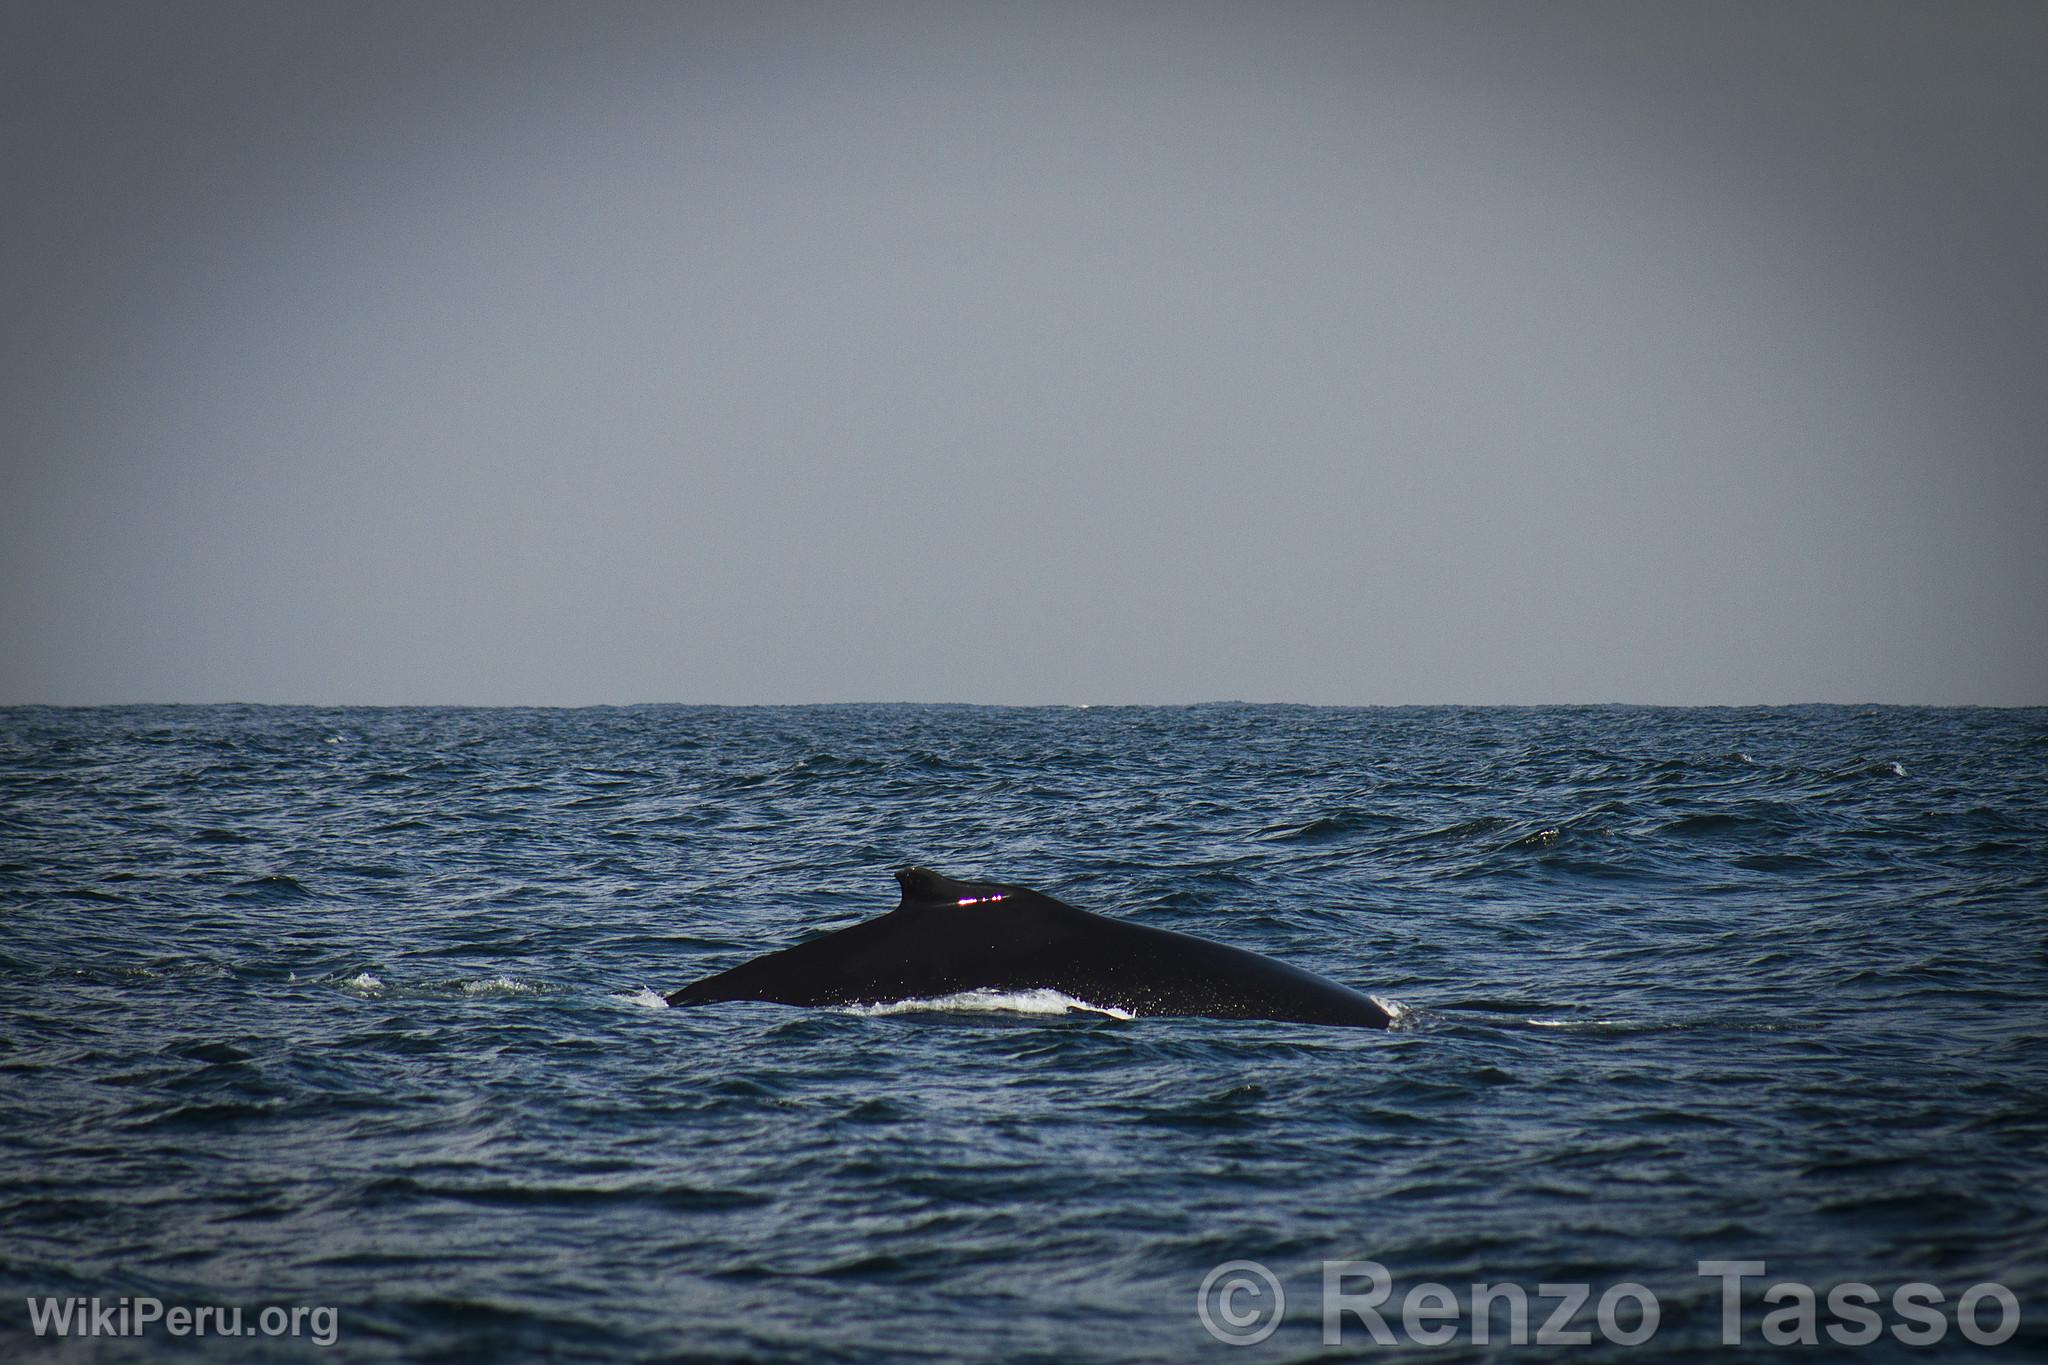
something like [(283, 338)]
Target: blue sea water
[(358, 1008)]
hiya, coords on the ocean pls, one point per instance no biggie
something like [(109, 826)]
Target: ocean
[(348, 1022)]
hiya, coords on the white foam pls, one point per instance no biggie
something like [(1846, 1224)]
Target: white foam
[(645, 998), (1396, 1011), (364, 981), (499, 985), (1042, 1001)]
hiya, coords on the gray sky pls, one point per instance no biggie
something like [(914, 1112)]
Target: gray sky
[(1023, 353)]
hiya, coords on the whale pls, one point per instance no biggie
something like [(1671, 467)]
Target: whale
[(948, 937)]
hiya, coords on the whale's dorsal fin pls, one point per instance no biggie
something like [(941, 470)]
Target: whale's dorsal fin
[(922, 886)]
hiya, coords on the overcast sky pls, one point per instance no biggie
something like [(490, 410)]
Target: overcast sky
[(1365, 353)]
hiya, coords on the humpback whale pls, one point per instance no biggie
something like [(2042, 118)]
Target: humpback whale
[(951, 936)]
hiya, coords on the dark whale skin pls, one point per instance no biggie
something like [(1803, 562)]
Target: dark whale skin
[(950, 936)]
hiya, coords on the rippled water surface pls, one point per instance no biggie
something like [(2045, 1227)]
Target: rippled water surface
[(358, 1008)]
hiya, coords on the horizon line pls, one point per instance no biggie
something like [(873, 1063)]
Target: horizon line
[(1029, 705)]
